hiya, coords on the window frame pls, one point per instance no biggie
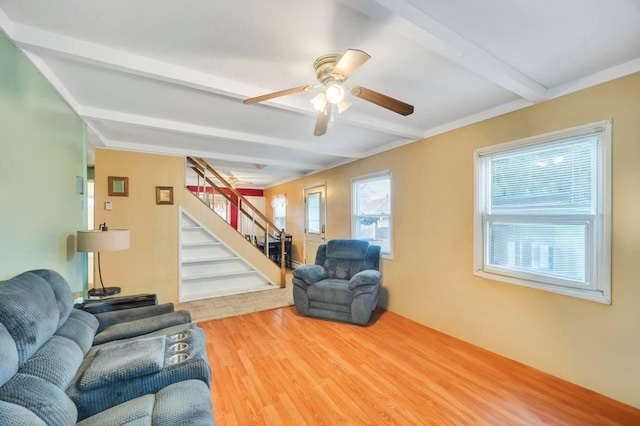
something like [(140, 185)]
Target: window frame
[(274, 206), (597, 223), (371, 177)]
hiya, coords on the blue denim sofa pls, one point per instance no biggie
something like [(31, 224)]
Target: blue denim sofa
[(64, 366), (343, 284)]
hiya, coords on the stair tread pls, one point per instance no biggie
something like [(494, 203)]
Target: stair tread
[(210, 259), (220, 274), (199, 295), (202, 243)]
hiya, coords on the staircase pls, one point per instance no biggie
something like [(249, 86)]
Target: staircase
[(210, 268)]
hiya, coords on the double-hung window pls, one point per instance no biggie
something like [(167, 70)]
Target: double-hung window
[(543, 212), (279, 206), (371, 210)]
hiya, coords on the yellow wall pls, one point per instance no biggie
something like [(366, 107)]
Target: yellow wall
[(430, 278), (150, 265)]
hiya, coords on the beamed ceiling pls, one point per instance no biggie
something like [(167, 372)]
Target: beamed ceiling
[(166, 76)]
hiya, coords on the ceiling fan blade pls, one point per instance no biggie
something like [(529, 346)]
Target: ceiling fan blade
[(382, 100), (278, 94), (344, 105), (349, 62), (323, 120)]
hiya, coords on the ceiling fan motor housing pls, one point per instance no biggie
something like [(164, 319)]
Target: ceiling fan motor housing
[(324, 66)]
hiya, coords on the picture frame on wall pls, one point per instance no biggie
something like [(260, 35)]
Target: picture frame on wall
[(164, 194), (118, 186)]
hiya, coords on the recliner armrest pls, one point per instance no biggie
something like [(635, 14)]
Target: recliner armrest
[(107, 319), (366, 277), (310, 274)]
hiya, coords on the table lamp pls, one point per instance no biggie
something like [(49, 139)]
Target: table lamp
[(103, 239)]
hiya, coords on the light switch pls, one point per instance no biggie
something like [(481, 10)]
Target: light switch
[(108, 205)]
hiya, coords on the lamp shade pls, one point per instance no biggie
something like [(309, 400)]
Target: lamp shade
[(97, 241)]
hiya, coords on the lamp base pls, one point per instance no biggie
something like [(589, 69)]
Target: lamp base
[(104, 291)]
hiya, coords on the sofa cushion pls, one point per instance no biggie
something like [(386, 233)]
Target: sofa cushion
[(14, 414), (183, 403), (44, 399), (57, 361), (331, 291), (124, 361), (32, 316), (61, 290), (81, 328), (8, 356)]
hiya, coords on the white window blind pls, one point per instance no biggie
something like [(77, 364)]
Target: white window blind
[(542, 212)]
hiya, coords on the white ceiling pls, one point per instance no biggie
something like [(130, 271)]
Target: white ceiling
[(168, 76)]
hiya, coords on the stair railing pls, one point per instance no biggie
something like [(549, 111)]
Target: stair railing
[(206, 175)]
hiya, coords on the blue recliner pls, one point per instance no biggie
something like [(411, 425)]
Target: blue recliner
[(343, 284)]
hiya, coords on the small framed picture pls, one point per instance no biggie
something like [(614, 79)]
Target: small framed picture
[(118, 186), (164, 194)]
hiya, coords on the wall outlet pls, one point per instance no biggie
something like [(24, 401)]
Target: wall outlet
[(108, 205)]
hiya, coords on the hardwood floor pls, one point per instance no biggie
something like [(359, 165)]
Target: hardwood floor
[(276, 368)]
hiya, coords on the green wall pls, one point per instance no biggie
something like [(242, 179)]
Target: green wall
[(42, 151)]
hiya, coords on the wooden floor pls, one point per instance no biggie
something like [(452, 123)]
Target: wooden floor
[(275, 368)]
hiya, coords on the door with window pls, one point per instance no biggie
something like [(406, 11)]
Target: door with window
[(314, 220)]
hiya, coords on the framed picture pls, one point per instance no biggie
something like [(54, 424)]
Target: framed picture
[(118, 186), (164, 194)]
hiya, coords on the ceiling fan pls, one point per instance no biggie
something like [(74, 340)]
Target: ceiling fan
[(332, 71), (234, 181)]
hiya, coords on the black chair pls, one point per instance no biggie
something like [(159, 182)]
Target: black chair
[(288, 244)]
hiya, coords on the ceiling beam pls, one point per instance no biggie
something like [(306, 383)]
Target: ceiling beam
[(89, 113), (180, 152), (414, 24), (270, 170), (59, 45)]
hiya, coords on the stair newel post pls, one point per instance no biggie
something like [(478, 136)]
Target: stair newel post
[(283, 271)]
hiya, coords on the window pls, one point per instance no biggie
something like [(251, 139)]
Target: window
[(313, 213), (221, 206), (371, 197), (543, 212), (279, 206)]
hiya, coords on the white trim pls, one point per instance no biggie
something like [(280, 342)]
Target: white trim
[(211, 132), (370, 177), (597, 285), (304, 234), (545, 137)]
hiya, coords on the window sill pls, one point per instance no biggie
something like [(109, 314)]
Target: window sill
[(592, 295)]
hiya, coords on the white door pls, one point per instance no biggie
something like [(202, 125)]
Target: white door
[(314, 220)]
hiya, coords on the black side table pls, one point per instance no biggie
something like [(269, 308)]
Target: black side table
[(117, 303)]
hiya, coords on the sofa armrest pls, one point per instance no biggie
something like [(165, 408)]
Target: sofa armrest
[(364, 278), (141, 326), (310, 274), (107, 319)]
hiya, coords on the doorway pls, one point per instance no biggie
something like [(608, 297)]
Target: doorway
[(314, 221)]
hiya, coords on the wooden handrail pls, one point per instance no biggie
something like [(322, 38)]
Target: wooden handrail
[(226, 196), (236, 193), (199, 166)]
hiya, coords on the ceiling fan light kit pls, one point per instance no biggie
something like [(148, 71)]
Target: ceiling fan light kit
[(335, 93), (331, 71)]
